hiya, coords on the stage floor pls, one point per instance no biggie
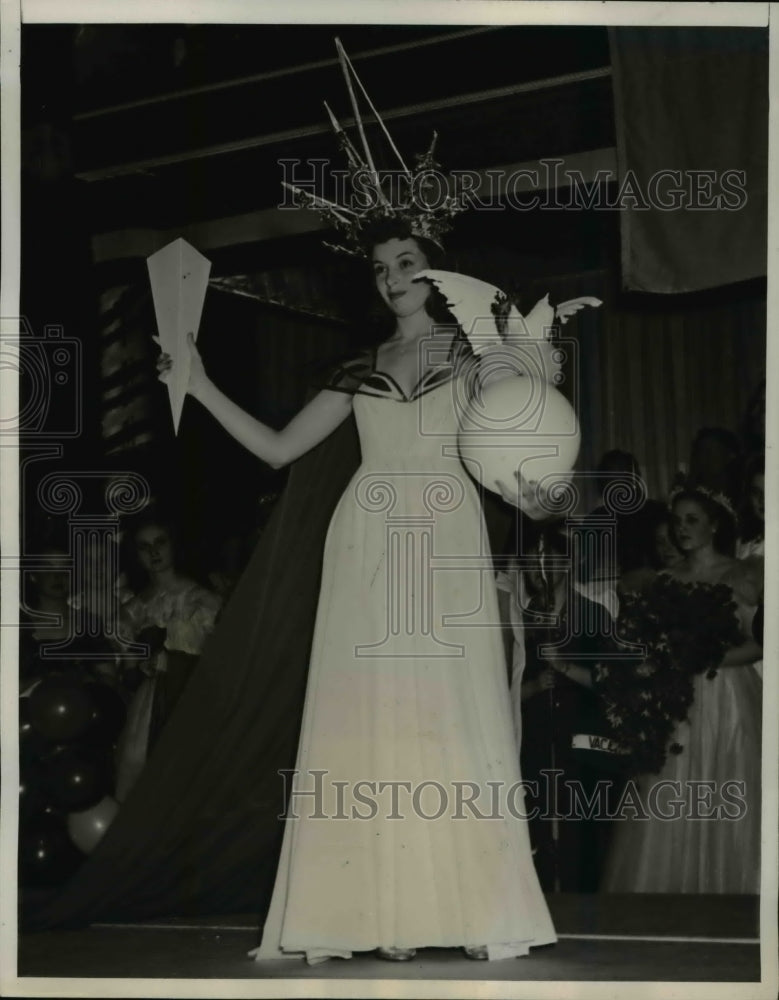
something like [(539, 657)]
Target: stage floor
[(625, 938)]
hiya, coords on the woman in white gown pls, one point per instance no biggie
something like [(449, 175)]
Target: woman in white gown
[(713, 846), (407, 714)]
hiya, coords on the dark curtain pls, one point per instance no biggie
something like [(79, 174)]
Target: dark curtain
[(659, 369), (691, 100)]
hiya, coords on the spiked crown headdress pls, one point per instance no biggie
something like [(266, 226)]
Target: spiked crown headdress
[(419, 200)]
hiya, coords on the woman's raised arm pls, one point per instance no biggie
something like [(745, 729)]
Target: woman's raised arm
[(312, 424)]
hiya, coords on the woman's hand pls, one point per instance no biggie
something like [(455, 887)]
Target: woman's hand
[(545, 681), (198, 379), (561, 666), (740, 656), (573, 671), (525, 496)]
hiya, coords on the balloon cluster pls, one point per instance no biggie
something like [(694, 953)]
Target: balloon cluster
[(68, 728)]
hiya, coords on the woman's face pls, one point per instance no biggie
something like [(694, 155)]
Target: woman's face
[(693, 527), (667, 552), (757, 495), (394, 265), (154, 548)]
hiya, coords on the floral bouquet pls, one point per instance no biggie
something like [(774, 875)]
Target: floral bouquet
[(684, 629)]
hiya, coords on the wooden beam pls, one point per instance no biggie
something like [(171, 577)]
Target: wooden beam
[(289, 135), (274, 74), (275, 223)]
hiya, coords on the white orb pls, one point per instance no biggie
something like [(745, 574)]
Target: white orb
[(519, 424)]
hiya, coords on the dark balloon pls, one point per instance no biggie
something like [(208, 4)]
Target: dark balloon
[(76, 779), (108, 714), (60, 709), (46, 854)]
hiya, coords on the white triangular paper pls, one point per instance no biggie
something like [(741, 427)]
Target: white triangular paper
[(179, 278)]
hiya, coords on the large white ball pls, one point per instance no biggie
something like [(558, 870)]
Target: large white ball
[(519, 423)]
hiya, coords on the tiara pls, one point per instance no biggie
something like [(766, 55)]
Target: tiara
[(719, 498), (423, 207)]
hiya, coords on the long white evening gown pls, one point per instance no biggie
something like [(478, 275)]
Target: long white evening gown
[(407, 683)]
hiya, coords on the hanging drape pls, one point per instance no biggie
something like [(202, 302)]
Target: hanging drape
[(691, 109), (653, 371), (669, 368)]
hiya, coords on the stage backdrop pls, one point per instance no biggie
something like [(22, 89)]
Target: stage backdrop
[(652, 370), (692, 100)]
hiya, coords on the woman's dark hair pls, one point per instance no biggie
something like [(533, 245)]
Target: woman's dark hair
[(384, 230), (637, 532), (655, 515), (394, 228), (618, 461), (725, 475), (614, 466), (725, 523), (751, 526), (725, 438)]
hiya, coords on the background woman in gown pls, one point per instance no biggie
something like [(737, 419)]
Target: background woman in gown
[(407, 706), (174, 614), (713, 846)]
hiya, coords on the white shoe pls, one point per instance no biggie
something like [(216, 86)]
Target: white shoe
[(396, 954)]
